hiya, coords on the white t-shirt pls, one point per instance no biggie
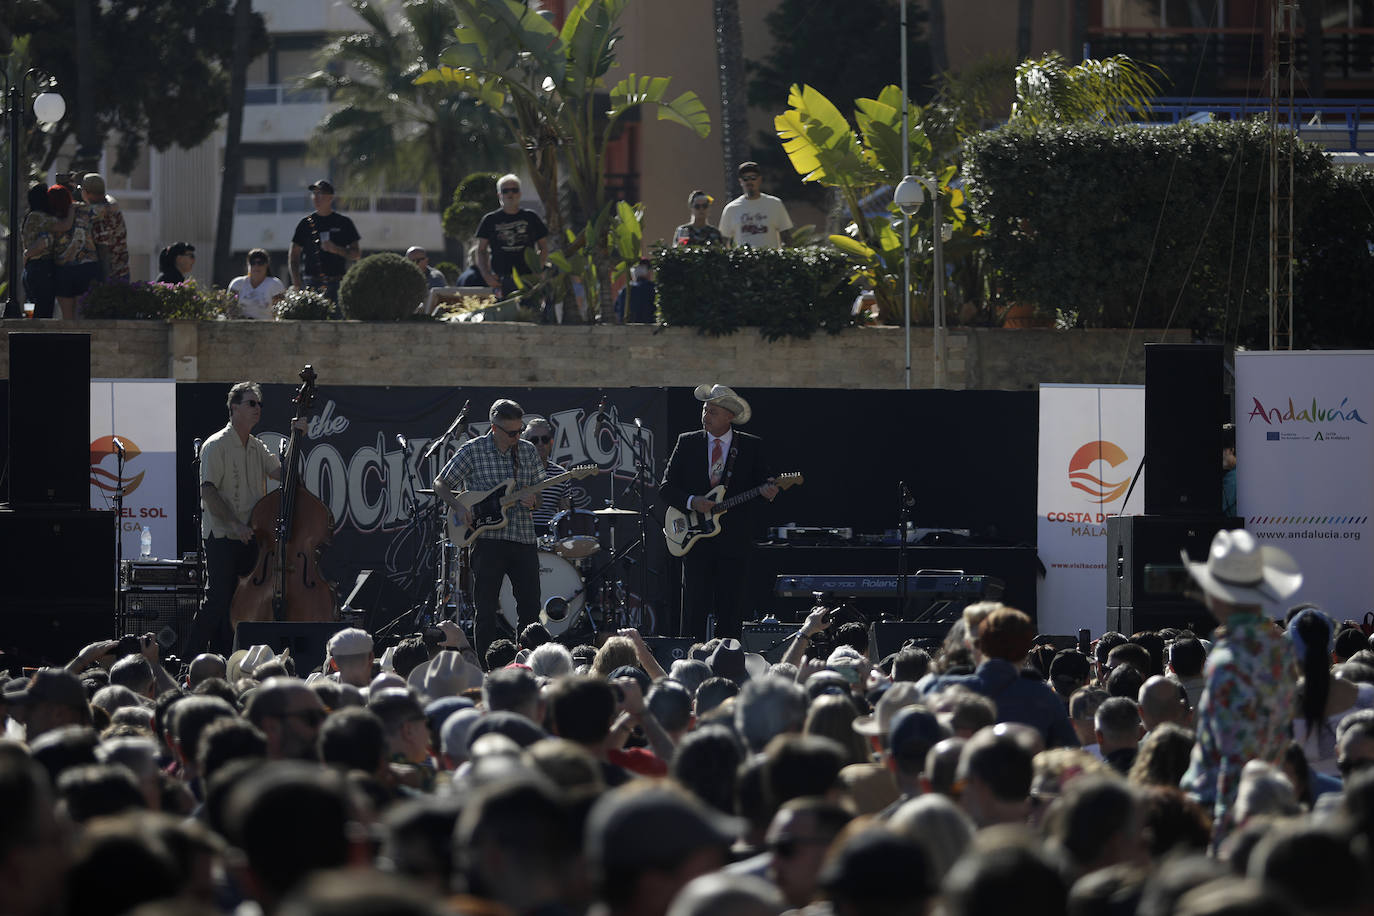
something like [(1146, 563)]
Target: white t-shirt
[(756, 223), (256, 302)]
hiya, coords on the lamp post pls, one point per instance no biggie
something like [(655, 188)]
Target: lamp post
[(909, 196), (48, 108)]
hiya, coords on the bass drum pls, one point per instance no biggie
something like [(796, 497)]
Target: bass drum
[(558, 579)]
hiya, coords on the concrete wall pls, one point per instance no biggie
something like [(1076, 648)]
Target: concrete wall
[(412, 354)]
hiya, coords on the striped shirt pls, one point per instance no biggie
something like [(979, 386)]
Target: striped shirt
[(551, 499), (479, 465)]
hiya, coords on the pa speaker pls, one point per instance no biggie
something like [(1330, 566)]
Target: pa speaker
[(768, 639), (39, 633), (380, 599), (668, 649), (58, 558), (306, 641), (1184, 411), (50, 420), (1183, 615), (1143, 563)]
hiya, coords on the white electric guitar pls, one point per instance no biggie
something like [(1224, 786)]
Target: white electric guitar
[(488, 509), (683, 529)]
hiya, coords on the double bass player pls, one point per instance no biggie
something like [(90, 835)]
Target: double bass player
[(235, 466)]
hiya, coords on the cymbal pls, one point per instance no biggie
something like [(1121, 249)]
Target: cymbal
[(613, 511), (423, 491)]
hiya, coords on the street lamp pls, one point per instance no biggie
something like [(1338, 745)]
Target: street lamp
[(48, 108), (909, 196)]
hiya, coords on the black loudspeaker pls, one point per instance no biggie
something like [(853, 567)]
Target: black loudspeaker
[(1183, 615), (164, 612), (1184, 411), (763, 639), (668, 649), (50, 420), (58, 558), (39, 633), (888, 636), (1143, 563), (380, 599), (306, 641)]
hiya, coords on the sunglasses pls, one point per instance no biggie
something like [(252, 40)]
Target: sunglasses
[(701, 206), (251, 403), (256, 262), (788, 847), (541, 440), (510, 190), (513, 433), (418, 260)]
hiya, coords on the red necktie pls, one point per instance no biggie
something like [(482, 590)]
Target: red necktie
[(715, 463)]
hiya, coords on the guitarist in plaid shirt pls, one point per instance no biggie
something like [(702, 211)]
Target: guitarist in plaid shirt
[(481, 464)]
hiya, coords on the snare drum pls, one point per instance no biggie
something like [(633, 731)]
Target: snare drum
[(574, 534), (557, 579)]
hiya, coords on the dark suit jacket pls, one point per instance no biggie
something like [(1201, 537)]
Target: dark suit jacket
[(687, 476)]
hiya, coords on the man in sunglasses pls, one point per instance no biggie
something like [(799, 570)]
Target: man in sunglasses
[(559, 496), (755, 219), (235, 466), (479, 465), (505, 234)]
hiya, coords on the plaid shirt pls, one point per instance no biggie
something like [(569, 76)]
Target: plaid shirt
[(478, 465)]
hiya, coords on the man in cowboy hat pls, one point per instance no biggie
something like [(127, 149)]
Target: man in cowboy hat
[(1251, 677), (717, 454)]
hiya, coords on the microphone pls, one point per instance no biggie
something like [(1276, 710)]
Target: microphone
[(601, 414), (195, 448), (638, 423), (119, 446), (402, 439)]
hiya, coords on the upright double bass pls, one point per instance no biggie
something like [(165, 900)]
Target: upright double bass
[(290, 526)]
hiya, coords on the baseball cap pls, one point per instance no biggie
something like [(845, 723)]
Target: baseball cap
[(350, 641), (323, 185), (913, 732), (511, 724)]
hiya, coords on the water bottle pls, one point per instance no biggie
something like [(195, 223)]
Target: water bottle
[(145, 543)]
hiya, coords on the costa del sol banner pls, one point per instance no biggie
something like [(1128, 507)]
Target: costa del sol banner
[(1092, 439), (1305, 467), (141, 414)]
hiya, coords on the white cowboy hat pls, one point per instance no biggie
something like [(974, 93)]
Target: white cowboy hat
[(1239, 570), (725, 397)]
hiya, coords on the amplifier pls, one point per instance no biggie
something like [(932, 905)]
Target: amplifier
[(171, 573), (164, 612), (760, 638)]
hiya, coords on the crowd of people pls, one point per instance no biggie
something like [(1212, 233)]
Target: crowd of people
[(1161, 772)]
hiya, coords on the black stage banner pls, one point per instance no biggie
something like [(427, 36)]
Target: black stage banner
[(967, 457)]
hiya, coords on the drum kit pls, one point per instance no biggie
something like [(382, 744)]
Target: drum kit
[(575, 575)]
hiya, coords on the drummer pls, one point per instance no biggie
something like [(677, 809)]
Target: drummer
[(557, 497)]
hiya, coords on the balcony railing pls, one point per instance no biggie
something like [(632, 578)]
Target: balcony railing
[(1216, 61), (276, 94), (1335, 123), (299, 202)]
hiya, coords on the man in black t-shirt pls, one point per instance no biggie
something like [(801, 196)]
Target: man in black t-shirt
[(327, 240), (505, 234)]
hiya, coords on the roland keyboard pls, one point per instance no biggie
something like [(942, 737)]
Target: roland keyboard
[(942, 583)]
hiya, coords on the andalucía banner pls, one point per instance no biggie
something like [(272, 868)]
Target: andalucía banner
[(1092, 439), (1305, 468)]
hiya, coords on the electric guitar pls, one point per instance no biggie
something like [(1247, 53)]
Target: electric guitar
[(488, 509), (683, 529)]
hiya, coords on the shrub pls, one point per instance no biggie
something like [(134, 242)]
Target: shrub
[(158, 301), (474, 196), (450, 271), (786, 292), (304, 305), (382, 287)]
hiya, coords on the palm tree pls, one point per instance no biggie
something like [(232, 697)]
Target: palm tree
[(393, 131), (1025, 13), (233, 146)]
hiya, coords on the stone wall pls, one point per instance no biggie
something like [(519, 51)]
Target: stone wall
[(419, 354)]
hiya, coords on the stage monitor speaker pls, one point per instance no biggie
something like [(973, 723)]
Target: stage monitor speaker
[(668, 649), (1143, 563), (763, 638), (50, 420), (35, 634), (1184, 411), (57, 557), (306, 641), (1182, 615), (888, 636), (380, 599)]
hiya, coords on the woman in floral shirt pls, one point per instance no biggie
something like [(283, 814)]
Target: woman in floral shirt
[(698, 231)]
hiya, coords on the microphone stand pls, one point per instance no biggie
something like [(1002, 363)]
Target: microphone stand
[(199, 514), (119, 532), (904, 504), (638, 452)]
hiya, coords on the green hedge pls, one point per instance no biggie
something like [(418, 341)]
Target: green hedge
[(382, 287), (1121, 227), (787, 292), (123, 300)]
